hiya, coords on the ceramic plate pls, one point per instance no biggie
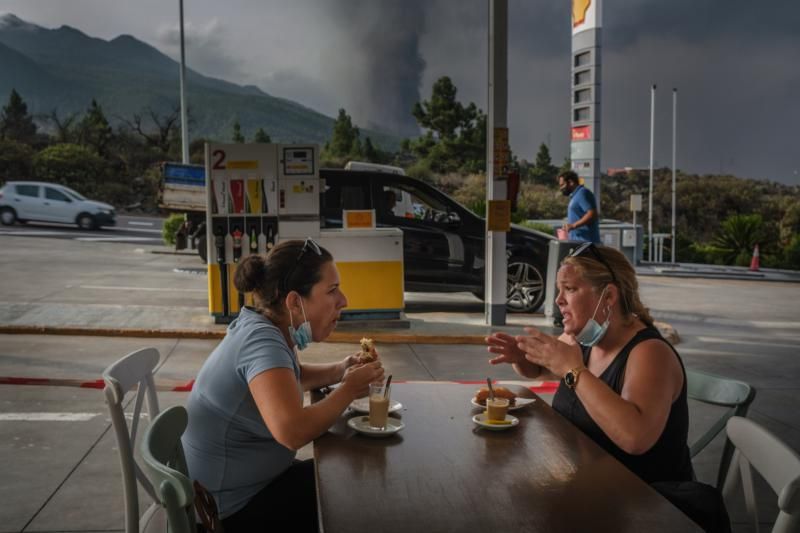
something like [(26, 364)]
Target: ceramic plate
[(362, 405), (510, 422), (519, 404), (361, 424)]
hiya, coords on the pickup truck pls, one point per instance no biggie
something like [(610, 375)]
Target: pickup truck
[(443, 241)]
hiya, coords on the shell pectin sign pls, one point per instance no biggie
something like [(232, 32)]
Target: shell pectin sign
[(586, 15)]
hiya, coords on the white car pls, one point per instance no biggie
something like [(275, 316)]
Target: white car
[(49, 202)]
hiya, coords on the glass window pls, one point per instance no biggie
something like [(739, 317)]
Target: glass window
[(582, 59), (583, 95), (581, 113), (419, 204), (55, 194), (28, 190), (583, 77)]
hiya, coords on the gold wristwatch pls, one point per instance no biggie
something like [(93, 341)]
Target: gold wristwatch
[(571, 377)]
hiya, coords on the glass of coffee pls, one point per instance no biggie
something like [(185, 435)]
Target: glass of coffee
[(496, 409), (378, 405)]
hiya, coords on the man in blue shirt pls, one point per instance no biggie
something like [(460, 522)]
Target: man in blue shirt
[(582, 221)]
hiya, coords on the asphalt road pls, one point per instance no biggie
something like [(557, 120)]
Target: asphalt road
[(129, 229)]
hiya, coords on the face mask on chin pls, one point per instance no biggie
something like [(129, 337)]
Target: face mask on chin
[(302, 335), (592, 332)]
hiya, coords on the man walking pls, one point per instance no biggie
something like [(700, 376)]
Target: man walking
[(582, 221)]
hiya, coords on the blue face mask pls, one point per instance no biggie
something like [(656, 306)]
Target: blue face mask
[(302, 335), (592, 332)]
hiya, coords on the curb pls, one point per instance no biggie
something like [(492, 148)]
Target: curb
[(667, 331)]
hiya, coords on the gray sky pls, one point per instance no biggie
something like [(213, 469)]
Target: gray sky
[(734, 64)]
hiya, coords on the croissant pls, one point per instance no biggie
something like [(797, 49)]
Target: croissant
[(499, 392)]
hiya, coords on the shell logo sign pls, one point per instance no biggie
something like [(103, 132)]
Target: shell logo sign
[(585, 15), (579, 9)]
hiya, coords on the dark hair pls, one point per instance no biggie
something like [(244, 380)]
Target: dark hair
[(290, 266), (570, 175)]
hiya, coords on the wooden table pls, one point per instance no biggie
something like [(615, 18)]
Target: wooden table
[(444, 474)]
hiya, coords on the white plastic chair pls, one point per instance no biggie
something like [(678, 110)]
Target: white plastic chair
[(135, 370), (778, 464)]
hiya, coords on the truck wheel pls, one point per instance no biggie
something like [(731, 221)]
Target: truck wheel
[(8, 216), (86, 221), (525, 286), (202, 250)]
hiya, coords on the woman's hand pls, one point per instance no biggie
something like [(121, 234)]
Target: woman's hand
[(549, 352), (505, 347), (357, 378), (353, 360)]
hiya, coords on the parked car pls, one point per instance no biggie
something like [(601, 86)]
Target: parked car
[(49, 202), (443, 241)]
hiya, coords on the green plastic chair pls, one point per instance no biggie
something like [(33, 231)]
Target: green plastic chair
[(779, 465), (165, 467), (717, 390)]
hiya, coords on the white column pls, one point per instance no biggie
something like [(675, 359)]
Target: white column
[(674, 137), (650, 195), (496, 261)]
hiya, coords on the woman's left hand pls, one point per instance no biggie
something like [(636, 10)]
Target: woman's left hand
[(549, 352), (355, 359)]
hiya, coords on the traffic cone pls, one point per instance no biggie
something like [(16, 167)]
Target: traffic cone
[(754, 261)]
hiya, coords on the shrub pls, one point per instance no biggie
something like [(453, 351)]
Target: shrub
[(171, 226)]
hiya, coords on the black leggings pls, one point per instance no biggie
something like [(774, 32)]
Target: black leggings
[(287, 504)]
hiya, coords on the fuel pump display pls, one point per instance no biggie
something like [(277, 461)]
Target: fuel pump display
[(258, 193)]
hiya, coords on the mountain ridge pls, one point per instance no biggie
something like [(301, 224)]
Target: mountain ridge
[(64, 68)]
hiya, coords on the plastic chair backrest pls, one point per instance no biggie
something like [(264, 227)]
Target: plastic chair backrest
[(135, 370), (778, 464), (165, 466), (717, 390)]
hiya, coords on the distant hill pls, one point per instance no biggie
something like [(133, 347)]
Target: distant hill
[(64, 69)]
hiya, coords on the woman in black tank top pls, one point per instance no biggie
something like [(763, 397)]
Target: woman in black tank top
[(622, 383)]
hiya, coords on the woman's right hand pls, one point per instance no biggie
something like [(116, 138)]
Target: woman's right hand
[(358, 377), (505, 347)]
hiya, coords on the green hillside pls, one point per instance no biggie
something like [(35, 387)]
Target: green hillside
[(63, 69)]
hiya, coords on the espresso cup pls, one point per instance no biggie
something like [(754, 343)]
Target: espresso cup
[(496, 409)]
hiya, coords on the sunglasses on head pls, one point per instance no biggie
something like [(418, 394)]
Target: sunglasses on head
[(589, 247), (308, 245)]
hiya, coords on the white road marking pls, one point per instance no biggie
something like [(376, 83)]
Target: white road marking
[(116, 239), (720, 340), (47, 417), (159, 289), (137, 230), (132, 223)]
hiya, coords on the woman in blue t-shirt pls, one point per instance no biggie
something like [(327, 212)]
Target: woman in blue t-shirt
[(246, 412)]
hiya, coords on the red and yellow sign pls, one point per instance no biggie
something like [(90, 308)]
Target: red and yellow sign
[(359, 218)]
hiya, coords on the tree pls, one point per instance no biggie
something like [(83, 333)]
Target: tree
[(237, 132), (455, 140), (543, 170), (64, 127), (261, 136), (94, 130), (72, 165), (738, 236), (16, 160), (15, 122), (345, 140), (166, 129)]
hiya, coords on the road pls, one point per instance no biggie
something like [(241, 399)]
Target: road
[(129, 229)]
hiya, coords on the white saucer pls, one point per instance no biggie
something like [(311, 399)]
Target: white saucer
[(362, 405), (482, 421), (361, 424), (519, 403)]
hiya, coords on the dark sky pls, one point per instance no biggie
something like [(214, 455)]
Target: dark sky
[(734, 63)]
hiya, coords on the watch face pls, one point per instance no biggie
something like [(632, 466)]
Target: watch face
[(569, 379)]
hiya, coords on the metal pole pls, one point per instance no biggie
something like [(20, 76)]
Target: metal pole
[(496, 274), (635, 241), (674, 134), (650, 195), (184, 126)]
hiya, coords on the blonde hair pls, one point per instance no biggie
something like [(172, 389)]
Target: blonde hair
[(599, 275)]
